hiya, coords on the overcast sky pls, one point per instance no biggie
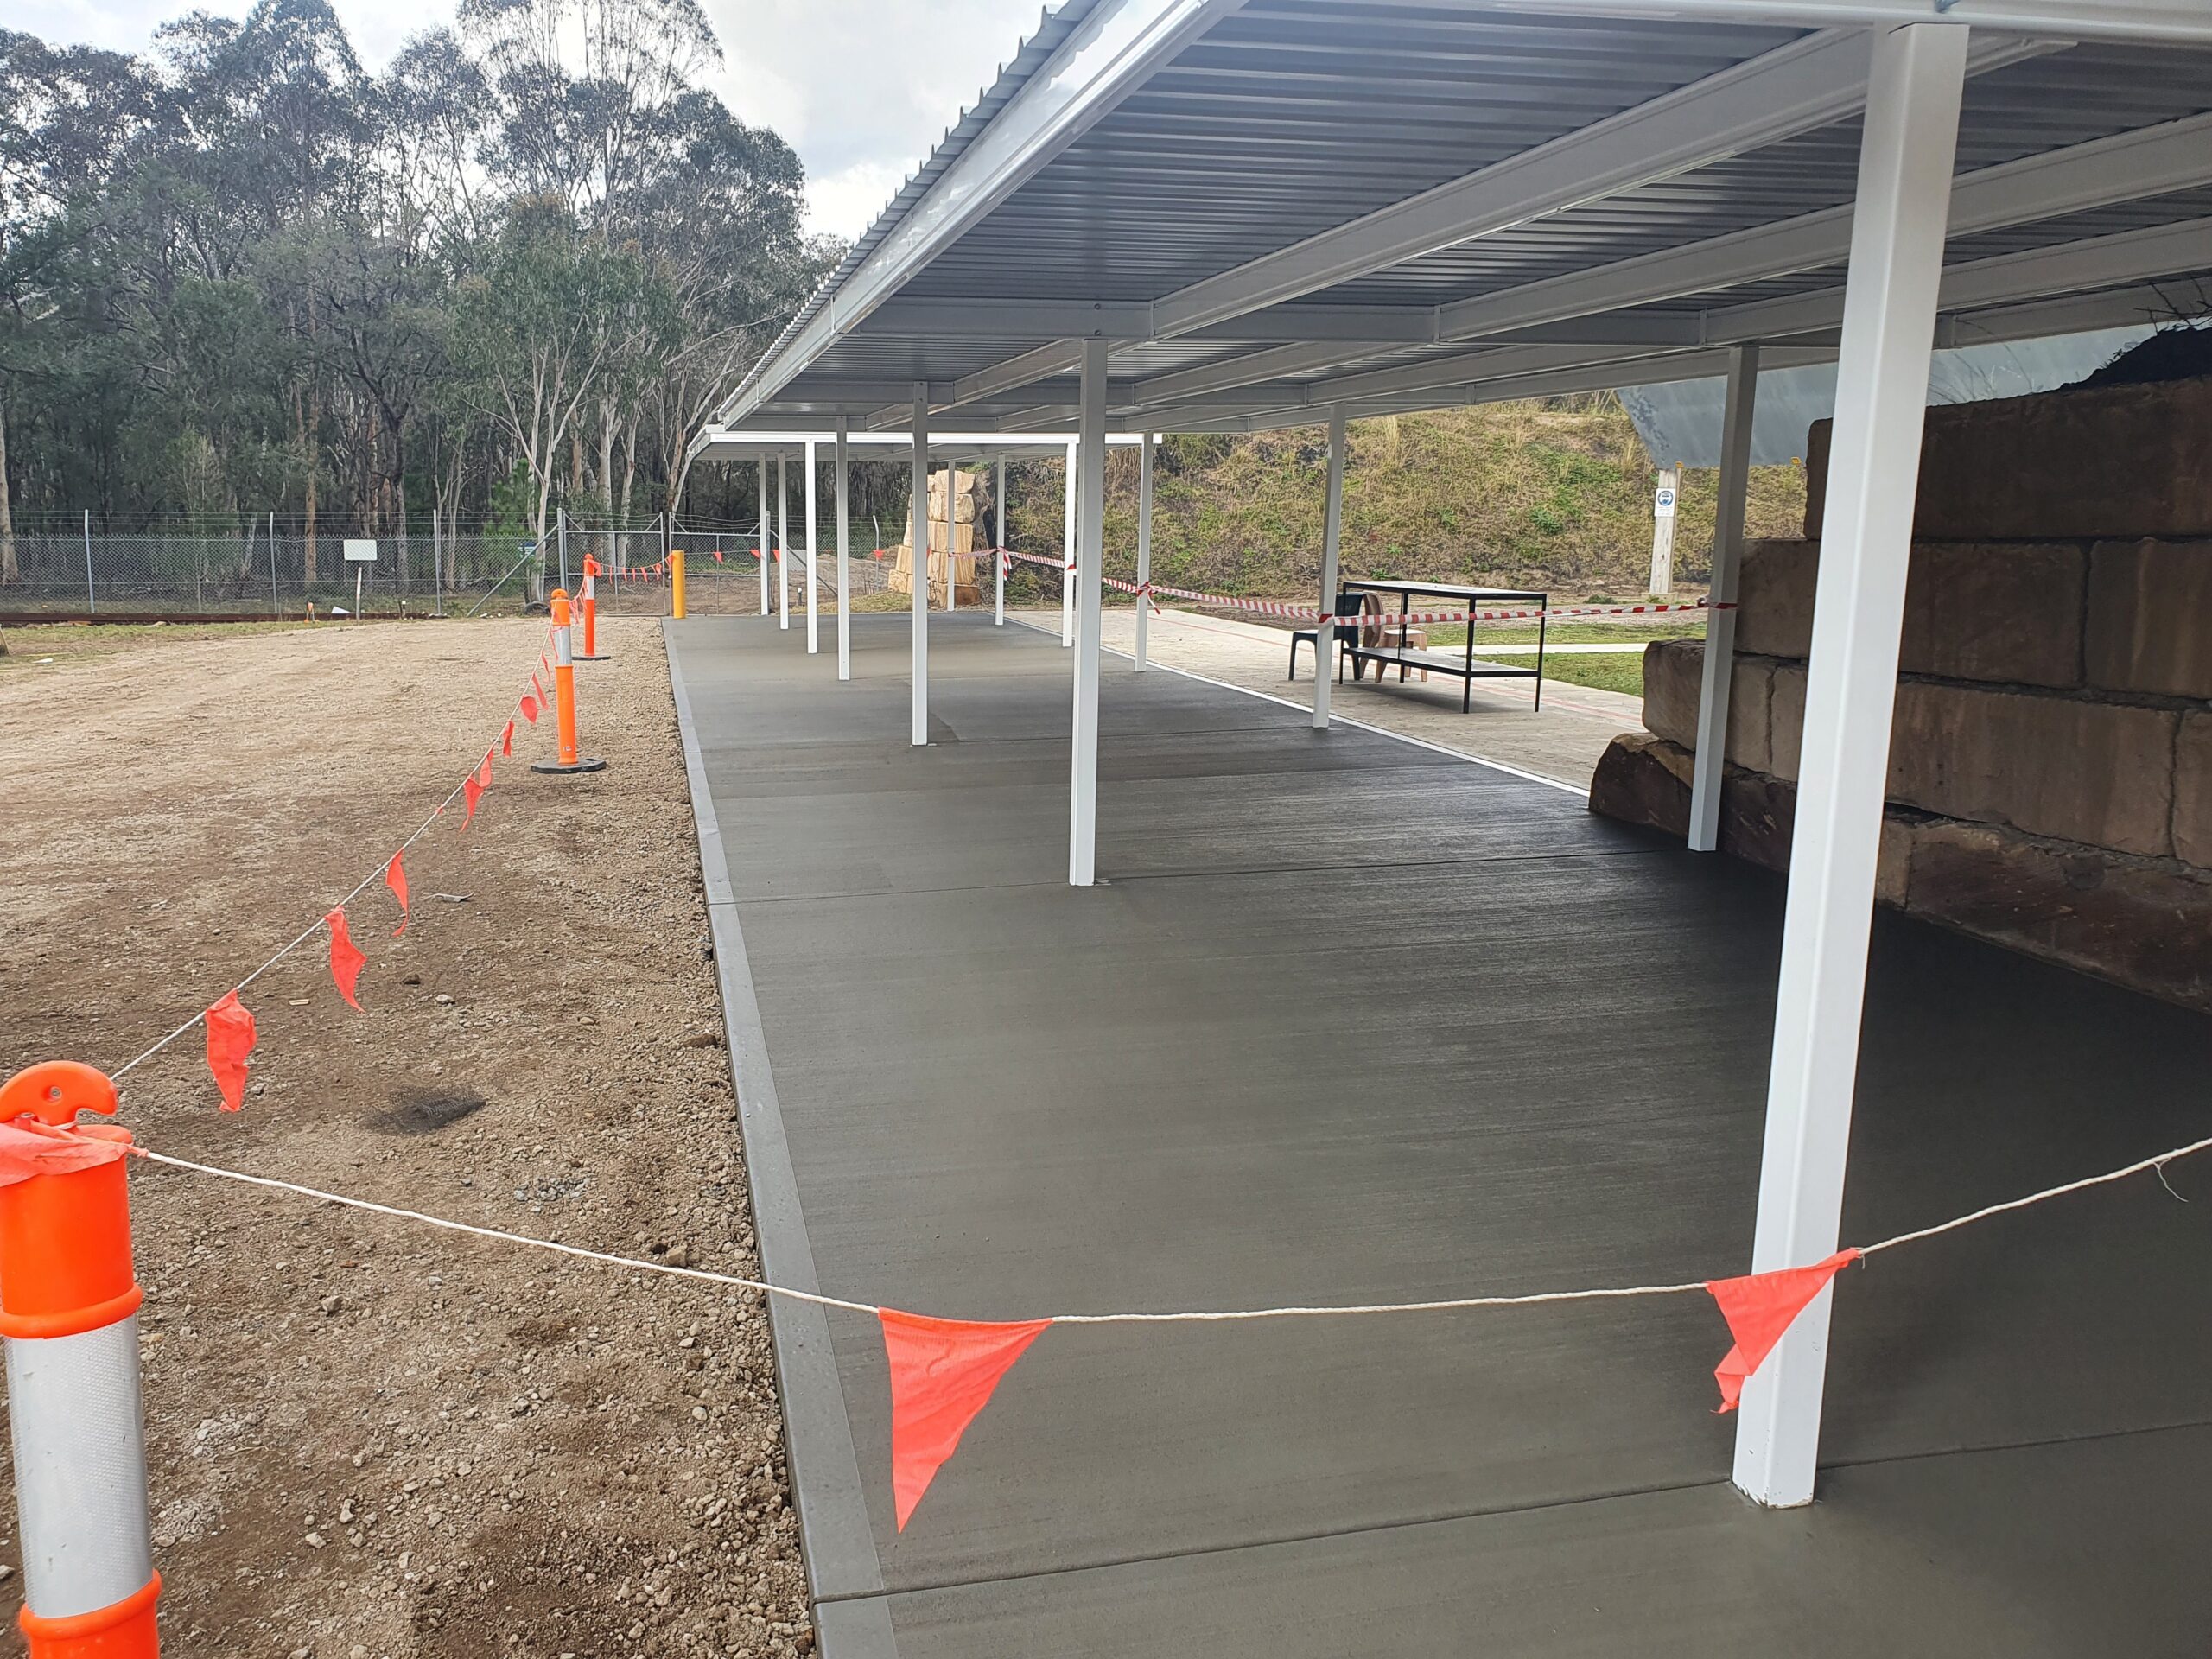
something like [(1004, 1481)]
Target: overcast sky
[(861, 88)]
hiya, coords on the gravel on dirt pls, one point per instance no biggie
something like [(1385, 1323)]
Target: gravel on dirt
[(367, 1440)]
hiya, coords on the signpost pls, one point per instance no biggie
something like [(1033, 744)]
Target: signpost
[(1662, 532), (361, 555)]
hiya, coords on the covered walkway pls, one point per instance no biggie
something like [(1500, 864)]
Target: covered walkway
[(1353, 1021)]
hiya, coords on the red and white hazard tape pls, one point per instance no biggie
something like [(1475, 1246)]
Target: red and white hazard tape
[(1155, 590)]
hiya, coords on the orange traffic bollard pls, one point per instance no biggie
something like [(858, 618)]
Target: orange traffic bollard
[(590, 605), (675, 586), (69, 1310), (564, 696)]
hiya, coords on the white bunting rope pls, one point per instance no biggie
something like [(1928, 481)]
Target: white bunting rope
[(317, 925), (1448, 1305), (1154, 590)]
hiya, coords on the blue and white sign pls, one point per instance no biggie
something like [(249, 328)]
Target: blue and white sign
[(1664, 505)]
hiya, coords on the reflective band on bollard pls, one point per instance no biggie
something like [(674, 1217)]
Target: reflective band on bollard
[(590, 606), (564, 696), (69, 1313)]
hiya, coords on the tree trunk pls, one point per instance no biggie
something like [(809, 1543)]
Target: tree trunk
[(9, 570), (303, 411)]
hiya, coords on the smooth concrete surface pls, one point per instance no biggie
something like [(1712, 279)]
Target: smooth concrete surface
[(1563, 741), (1351, 1021)]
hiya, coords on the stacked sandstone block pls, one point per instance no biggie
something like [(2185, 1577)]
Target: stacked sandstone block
[(2051, 767)]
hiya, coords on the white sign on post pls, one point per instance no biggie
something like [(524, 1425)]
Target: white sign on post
[(1663, 505), (359, 554)]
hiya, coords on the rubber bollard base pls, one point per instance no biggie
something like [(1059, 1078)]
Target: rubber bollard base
[(585, 764), (601, 657)]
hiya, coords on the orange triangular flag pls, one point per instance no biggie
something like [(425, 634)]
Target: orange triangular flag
[(394, 877), (718, 556), (543, 699), (471, 792), (942, 1374), (28, 1147), (530, 708), (230, 1040), (346, 959), (506, 740), (1759, 1307), (484, 770)]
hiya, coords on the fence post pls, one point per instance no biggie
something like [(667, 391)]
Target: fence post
[(275, 605), (91, 604), (437, 561), (561, 539)]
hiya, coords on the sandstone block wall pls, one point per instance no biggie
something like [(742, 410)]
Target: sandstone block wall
[(2117, 462), (2050, 763)]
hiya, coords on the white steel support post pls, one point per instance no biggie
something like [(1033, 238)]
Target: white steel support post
[(919, 540), (844, 567), (1720, 621), (1896, 255), (998, 554), (783, 544), (1068, 522), (1333, 527), (1090, 562), (813, 587), (761, 521), (1144, 550)]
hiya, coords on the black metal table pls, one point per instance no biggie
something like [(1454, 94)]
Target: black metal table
[(1469, 598)]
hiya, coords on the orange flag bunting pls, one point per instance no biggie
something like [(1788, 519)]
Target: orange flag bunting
[(718, 556), (542, 698), (394, 877), (507, 740), (530, 709), (1759, 1307), (28, 1147), (346, 959), (230, 1040), (943, 1372), (471, 792)]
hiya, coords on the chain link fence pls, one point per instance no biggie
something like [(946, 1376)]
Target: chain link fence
[(267, 568)]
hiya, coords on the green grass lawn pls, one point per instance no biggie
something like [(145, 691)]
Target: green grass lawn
[(1622, 671)]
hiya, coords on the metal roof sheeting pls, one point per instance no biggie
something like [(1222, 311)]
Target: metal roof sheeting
[(1256, 126)]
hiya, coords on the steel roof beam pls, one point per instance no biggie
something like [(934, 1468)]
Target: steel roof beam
[(2184, 249), (2127, 167), (1809, 84)]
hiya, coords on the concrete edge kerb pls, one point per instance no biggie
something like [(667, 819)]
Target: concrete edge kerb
[(835, 1536)]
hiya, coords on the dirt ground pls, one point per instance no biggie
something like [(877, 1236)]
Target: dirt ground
[(368, 1439)]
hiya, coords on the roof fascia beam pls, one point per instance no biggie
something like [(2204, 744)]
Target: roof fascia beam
[(1114, 50), (2127, 167), (2185, 22), (1808, 84)]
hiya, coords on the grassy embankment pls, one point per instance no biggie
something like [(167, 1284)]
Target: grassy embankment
[(1552, 496)]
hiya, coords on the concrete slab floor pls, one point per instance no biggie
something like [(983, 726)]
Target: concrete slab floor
[(1562, 740), (1353, 1021)]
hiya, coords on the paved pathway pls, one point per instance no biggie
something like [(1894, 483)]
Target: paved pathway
[(1563, 741), (1353, 1021)]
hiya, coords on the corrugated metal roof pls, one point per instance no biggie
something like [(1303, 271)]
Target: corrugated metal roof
[(1283, 119)]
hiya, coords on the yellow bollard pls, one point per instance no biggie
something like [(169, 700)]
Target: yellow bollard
[(675, 584)]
